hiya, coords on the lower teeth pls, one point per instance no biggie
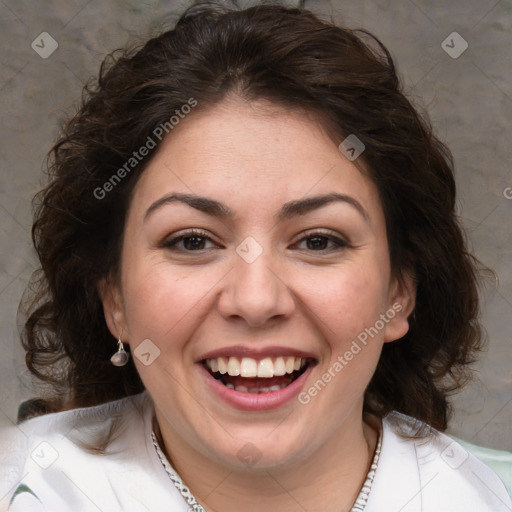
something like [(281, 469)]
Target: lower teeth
[(264, 389), (243, 389)]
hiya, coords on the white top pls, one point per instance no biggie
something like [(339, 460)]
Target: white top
[(42, 469)]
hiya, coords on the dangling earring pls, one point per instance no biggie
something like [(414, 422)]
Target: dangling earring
[(120, 358)]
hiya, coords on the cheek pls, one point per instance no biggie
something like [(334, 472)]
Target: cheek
[(162, 300), (348, 307), (165, 306), (348, 304), (346, 300)]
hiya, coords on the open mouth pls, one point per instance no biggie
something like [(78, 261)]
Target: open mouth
[(248, 375)]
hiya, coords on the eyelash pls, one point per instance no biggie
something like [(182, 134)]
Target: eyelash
[(338, 242), (195, 233)]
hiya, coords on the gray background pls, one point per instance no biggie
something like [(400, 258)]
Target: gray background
[(469, 99)]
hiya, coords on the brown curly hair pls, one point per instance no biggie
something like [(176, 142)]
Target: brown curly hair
[(292, 58)]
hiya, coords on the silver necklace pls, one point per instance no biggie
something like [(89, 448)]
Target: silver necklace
[(359, 505)]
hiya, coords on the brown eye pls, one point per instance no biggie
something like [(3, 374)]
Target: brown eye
[(321, 242), (189, 242), (317, 243), (193, 243)]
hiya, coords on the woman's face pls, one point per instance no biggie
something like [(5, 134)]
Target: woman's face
[(252, 246)]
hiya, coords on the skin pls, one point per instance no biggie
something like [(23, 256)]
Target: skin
[(255, 157)]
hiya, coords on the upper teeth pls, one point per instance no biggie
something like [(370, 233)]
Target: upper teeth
[(248, 367)]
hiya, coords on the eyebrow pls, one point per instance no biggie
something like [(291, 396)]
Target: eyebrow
[(203, 204), (309, 204), (288, 210)]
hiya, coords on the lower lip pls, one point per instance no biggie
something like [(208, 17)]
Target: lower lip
[(256, 401)]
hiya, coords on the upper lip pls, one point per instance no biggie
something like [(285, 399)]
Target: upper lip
[(255, 353)]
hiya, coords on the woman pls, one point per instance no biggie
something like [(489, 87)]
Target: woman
[(252, 208)]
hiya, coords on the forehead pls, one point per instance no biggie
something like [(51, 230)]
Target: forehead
[(256, 153)]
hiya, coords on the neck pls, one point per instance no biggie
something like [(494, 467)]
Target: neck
[(334, 474)]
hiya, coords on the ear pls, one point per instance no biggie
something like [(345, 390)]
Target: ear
[(111, 297), (402, 300)]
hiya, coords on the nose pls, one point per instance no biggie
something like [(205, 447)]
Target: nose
[(256, 292)]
